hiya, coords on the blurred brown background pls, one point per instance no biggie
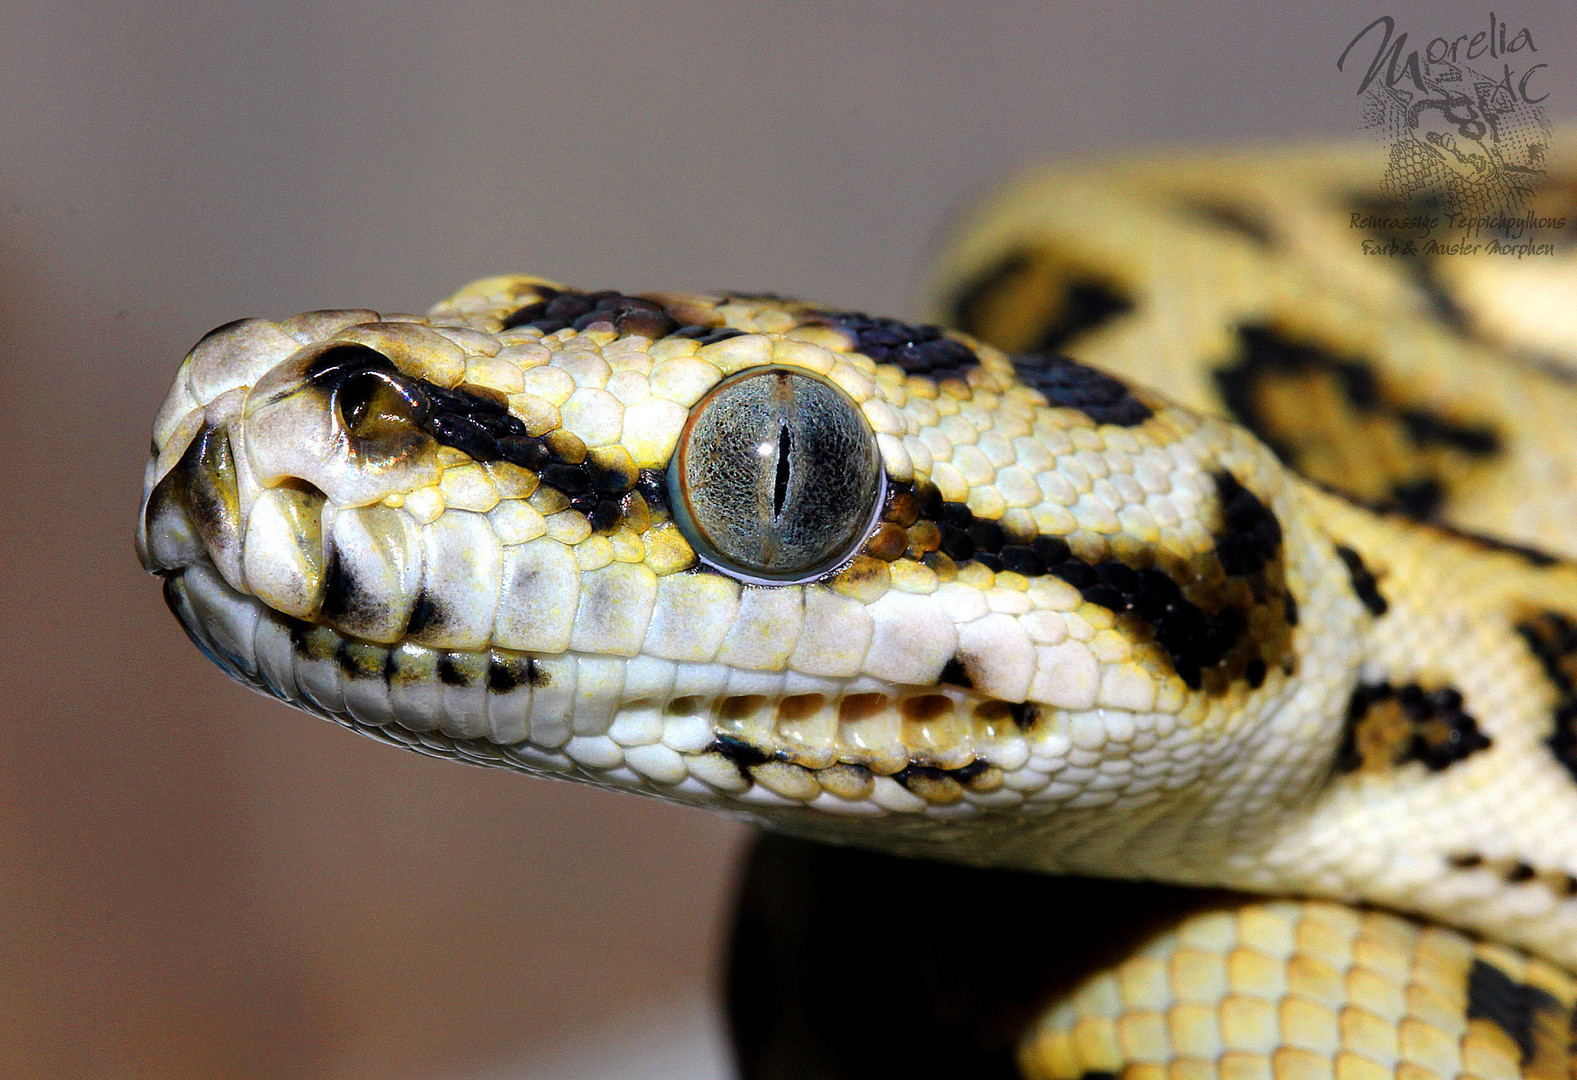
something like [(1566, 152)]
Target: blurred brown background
[(195, 882)]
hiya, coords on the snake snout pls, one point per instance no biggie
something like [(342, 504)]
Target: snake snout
[(342, 418)]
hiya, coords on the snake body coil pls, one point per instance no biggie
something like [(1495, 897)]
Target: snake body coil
[(1191, 583)]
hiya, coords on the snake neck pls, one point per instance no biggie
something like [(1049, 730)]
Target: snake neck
[(1453, 784)]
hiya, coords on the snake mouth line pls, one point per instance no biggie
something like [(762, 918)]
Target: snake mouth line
[(692, 732)]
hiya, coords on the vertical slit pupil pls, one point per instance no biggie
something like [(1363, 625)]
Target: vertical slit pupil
[(780, 492)]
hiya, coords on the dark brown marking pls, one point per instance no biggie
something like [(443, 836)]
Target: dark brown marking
[(359, 660), (1249, 538), (477, 422), (741, 753), (1325, 413), (345, 603), (451, 672), (1376, 208), (426, 614), (628, 315), (1532, 555), (1521, 1010), (1068, 384), (929, 782), (1388, 726), (888, 542), (1552, 638), (1245, 222), (1363, 582), (955, 674), (921, 349), (201, 487), (968, 774), (1205, 629), (1033, 300), (507, 671)]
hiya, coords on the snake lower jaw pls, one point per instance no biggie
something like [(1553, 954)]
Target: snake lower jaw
[(769, 742)]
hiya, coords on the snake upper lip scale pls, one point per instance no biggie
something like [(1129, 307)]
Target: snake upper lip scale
[(883, 584)]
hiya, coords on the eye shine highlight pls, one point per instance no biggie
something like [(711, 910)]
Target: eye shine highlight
[(777, 476)]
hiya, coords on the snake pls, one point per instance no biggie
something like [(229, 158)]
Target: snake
[(1160, 664)]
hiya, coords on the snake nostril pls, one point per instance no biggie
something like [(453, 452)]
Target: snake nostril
[(356, 395), (378, 404)]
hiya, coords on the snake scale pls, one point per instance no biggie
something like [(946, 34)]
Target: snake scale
[(1204, 548)]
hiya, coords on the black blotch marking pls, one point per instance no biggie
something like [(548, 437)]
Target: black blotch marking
[(1254, 673), (629, 315), (449, 673), (967, 311), (1387, 726), (1532, 555), (1420, 499), (1267, 356), (338, 361), (706, 335), (481, 425), (611, 475), (359, 661), (921, 349), (201, 486), (1235, 219), (1363, 582), (912, 773), (570, 479), (1251, 533), (954, 674), (426, 614), (1519, 873), (1471, 860), (806, 910), (1068, 384), (1290, 609), (502, 677), (653, 486), (344, 601), (465, 435), (1552, 638), (968, 774), (1425, 428), (741, 753), (605, 515), (1023, 714), (1518, 1009), (1086, 305), (1199, 635), (506, 673)]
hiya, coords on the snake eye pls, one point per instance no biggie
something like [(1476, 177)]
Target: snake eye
[(777, 476)]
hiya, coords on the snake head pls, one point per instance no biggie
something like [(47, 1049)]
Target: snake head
[(730, 550)]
